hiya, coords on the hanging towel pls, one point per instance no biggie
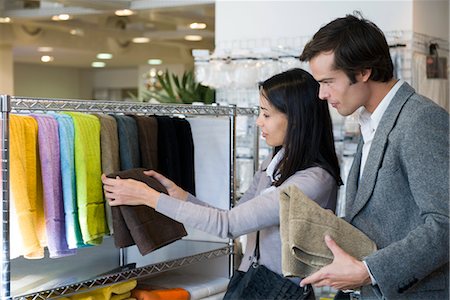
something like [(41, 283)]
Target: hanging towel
[(26, 185), (186, 152), (168, 150), (148, 141), (67, 154), (163, 294), (48, 138), (142, 225), (109, 146), (128, 142), (303, 226), (91, 205)]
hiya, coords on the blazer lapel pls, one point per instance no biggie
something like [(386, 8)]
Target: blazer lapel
[(376, 153), (353, 179)]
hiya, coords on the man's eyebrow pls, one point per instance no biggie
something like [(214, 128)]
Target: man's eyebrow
[(325, 79)]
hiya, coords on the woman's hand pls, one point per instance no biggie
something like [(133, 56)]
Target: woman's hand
[(174, 190), (128, 192)]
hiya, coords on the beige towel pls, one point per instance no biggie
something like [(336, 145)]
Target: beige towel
[(303, 226)]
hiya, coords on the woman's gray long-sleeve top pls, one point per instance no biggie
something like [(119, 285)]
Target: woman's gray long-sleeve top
[(255, 211)]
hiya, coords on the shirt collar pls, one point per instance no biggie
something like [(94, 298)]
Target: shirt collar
[(369, 122), (273, 164)]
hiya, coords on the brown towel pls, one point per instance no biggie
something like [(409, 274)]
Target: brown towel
[(109, 147), (303, 226), (142, 225), (148, 140)]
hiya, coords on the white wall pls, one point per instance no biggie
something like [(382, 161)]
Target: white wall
[(431, 17), (275, 20), (33, 80)]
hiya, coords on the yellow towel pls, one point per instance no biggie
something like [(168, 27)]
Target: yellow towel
[(91, 205), (26, 184), (118, 291)]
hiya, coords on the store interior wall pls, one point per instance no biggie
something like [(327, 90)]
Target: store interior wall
[(268, 20)]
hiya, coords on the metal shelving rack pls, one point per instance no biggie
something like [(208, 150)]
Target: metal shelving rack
[(14, 104)]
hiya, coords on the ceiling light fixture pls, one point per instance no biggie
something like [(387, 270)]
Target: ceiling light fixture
[(98, 64), (154, 61), (196, 25), (140, 40), (104, 56), (61, 17), (47, 58), (5, 20), (123, 12), (193, 38), (77, 31), (45, 49)]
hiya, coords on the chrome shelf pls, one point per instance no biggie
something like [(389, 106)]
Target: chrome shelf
[(94, 106), (216, 250)]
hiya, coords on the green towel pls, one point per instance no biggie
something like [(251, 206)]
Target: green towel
[(91, 205), (303, 226)]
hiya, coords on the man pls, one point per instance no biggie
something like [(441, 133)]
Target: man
[(398, 186)]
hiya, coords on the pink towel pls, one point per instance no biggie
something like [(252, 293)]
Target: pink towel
[(51, 181)]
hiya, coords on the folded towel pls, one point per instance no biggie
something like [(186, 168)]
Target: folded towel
[(303, 226), (48, 138), (117, 291), (128, 142), (26, 186), (67, 155), (142, 225), (91, 204), (148, 141), (109, 146), (166, 294)]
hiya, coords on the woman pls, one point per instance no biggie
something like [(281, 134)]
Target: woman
[(297, 124)]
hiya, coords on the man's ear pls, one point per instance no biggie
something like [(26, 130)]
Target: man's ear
[(364, 75)]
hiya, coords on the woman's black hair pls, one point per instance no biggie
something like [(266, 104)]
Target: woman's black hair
[(309, 138)]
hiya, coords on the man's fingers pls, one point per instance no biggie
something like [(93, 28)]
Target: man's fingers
[(335, 249)]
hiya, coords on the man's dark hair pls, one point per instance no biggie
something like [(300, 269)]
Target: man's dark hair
[(357, 44)]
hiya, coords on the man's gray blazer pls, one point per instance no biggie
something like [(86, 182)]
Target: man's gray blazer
[(402, 200)]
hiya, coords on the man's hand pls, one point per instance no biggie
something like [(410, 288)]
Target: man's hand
[(344, 273)]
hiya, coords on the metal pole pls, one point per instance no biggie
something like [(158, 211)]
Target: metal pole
[(5, 260), (232, 136)]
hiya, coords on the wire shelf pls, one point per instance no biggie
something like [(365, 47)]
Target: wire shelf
[(127, 275), (89, 106)]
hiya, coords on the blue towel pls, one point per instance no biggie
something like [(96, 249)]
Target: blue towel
[(66, 145), (48, 138), (129, 153)]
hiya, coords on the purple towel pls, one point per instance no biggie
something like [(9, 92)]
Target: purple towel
[(52, 183)]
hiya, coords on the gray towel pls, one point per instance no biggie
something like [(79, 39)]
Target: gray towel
[(303, 226)]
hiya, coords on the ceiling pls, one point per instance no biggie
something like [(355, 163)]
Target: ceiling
[(93, 27)]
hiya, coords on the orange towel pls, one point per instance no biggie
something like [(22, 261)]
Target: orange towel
[(26, 185), (166, 294)]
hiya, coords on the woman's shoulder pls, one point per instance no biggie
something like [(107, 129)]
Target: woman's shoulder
[(315, 176)]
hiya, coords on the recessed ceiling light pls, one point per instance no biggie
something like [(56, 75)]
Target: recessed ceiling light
[(193, 38), (47, 58), (124, 12), (45, 49), (98, 64), (140, 40), (154, 61), (77, 31), (5, 20), (197, 25), (104, 56), (61, 17)]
